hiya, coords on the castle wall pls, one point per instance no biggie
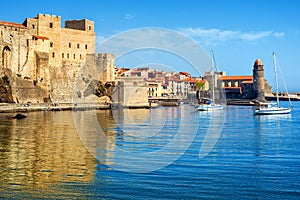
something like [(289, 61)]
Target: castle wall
[(76, 44), (31, 25), (130, 92), (84, 25), (13, 45), (106, 63), (45, 55), (50, 26)]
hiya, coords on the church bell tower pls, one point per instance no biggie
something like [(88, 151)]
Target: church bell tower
[(259, 80)]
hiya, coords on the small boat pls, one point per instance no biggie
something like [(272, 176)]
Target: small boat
[(207, 104), (271, 108)]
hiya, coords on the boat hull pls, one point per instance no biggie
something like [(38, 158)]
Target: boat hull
[(273, 111), (209, 107)]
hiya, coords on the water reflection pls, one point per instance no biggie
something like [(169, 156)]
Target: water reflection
[(43, 150), (272, 131), (97, 131), (126, 139), (269, 118), (137, 122), (273, 124)]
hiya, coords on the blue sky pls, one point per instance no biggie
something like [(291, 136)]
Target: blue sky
[(237, 31)]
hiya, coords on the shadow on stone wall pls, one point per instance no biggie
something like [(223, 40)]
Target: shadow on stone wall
[(14, 89), (5, 90), (98, 88)]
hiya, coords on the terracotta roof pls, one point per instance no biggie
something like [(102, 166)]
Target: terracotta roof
[(157, 79), (175, 79), (201, 81), (12, 24), (185, 73), (192, 80), (230, 78), (121, 70), (40, 37)]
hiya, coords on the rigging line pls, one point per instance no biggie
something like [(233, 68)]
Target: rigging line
[(214, 64), (284, 84), (215, 69)]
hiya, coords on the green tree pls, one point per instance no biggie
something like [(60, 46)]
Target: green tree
[(200, 84)]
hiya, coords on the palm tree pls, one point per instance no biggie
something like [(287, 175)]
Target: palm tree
[(199, 86)]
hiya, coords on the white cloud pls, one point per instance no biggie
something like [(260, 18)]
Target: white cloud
[(128, 16), (278, 34), (256, 36), (216, 35), (156, 41)]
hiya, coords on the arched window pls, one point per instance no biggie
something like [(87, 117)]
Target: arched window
[(6, 57)]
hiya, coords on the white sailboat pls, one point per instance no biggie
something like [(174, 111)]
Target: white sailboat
[(207, 104), (273, 108)]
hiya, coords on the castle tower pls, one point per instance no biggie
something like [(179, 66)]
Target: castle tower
[(258, 80), (105, 64)]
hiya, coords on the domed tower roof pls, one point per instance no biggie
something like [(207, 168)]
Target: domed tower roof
[(258, 65), (258, 62)]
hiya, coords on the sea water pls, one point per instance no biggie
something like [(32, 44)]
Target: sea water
[(161, 153)]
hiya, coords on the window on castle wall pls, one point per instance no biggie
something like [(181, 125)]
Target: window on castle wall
[(78, 46), (74, 56), (67, 55), (63, 55), (51, 44), (70, 45), (32, 26), (80, 56), (51, 25), (90, 28), (53, 54), (86, 46)]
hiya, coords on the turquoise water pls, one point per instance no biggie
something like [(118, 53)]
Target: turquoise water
[(162, 153)]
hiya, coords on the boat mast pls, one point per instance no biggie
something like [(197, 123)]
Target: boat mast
[(276, 79), (212, 76)]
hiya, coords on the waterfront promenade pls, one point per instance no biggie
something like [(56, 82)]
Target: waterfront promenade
[(15, 108)]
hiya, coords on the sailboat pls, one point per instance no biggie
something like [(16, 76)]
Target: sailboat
[(207, 104), (273, 108)]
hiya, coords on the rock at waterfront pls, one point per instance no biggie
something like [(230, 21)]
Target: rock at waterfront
[(19, 116)]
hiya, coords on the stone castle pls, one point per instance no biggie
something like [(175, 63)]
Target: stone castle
[(41, 62)]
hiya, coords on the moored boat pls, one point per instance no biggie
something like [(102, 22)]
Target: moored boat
[(208, 105), (273, 108)]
